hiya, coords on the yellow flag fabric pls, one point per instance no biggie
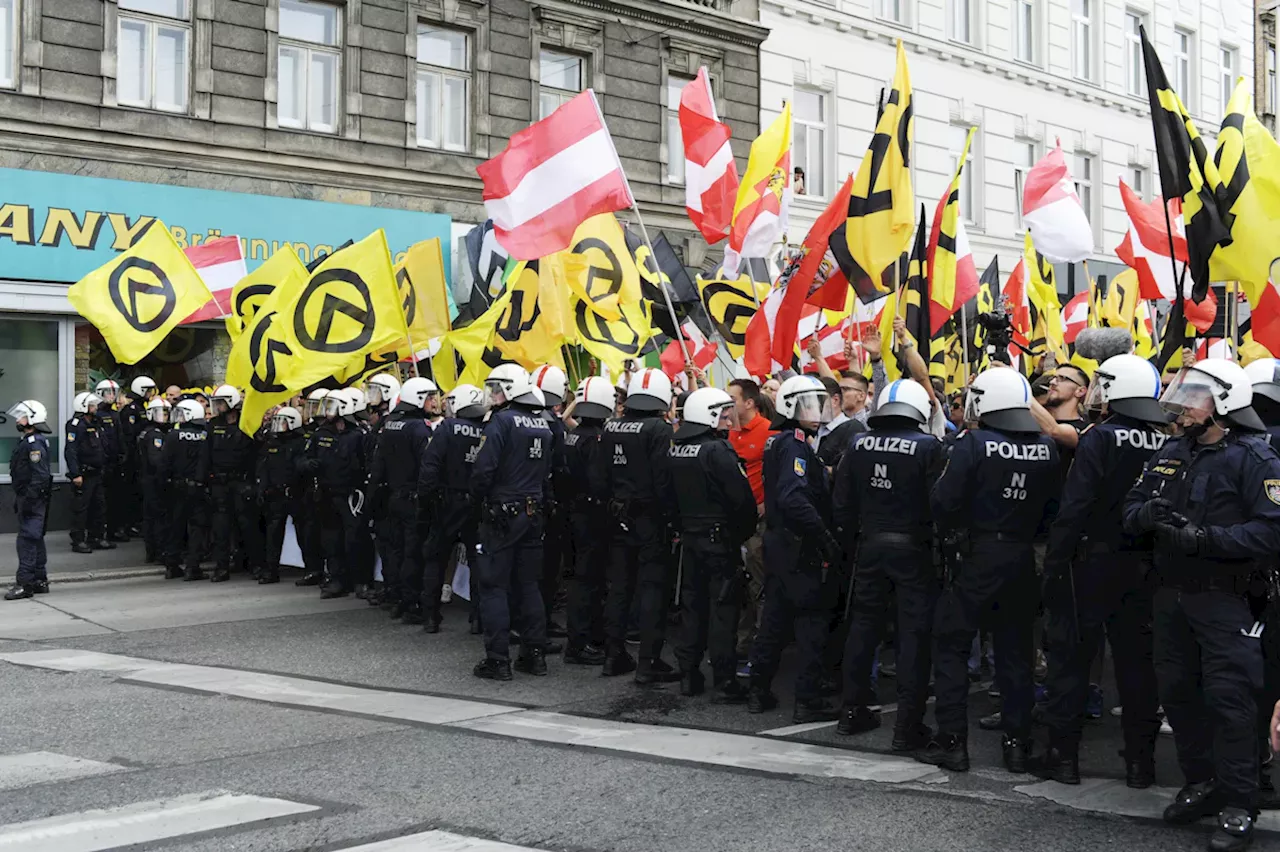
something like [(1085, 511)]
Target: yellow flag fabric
[(253, 290), (420, 281), (613, 341), (137, 298), (764, 194), (472, 342), (348, 308), (536, 321), (599, 268), (1046, 309), (882, 202), (730, 304), (943, 262), (1121, 302), (914, 295), (1144, 345)]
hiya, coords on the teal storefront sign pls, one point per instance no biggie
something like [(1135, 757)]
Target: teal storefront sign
[(56, 227)]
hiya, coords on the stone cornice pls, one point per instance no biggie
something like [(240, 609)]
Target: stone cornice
[(675, 15)]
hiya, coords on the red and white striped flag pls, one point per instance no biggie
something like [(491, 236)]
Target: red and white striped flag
[(701, 350), (1075, 316), (757, 349), (1053, 213), (221, 266), (552, 177), (710, 172), (1145, 247)]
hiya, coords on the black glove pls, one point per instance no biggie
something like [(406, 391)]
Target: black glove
[(1191, 539), (1154, 513), (832, 552)]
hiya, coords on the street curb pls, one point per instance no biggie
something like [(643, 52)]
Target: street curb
[(109, 574)]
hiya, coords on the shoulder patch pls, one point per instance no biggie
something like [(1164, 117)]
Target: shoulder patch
[(71, 437), (800, 467), (1272, 489), (34, 456), (75, 421), (158, 441), (31, 439), (800, 436)]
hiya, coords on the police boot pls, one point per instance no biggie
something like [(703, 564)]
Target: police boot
[(40, 587), (172, 572), (532, 661), (102, 544), (759, 698), (81, 547), (729, 691), (118, 535), (815, 710), (333, 590), (857, 720), (373, 597), (586, 655), (398, 607), (617, 662), (655, 670), (1016, 751), (692, 683), (268, 576), (390, 597), (220, 575), (1235, 831), (20, 591), (491, 669), (362, 591), (413, 614), (311, 578), (1139, 767), (1060, 763), (950, 751), (1193, 803), (432, 623), (193, 575), (910, 737)]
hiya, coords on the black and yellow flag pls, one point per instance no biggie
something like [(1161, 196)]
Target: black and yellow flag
[(914, 310), (535, 321), (259, 355), (881, 200), (137, 298), (732, 302), (599, 267), (252, 291), (614, 341)]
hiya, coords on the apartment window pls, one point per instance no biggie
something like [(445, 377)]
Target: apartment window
[(8, 44), (892, 10), (1024, 30), (1182, 44), (560, 77), (1228, 72), (1138, 180), (1084, 183), (152, 54), (1134, 81), (1025, 154), (1082, 38), (809, 140), (675, 141), (1271, 79), (309, 60), (444, 80), (958, 137), (960, 21)]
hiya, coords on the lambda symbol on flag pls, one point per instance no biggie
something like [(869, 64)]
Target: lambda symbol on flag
[(407, 291), (263, 378), (361, 311), (141, 278)]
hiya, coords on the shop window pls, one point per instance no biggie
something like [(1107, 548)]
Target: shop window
[(29, 369)]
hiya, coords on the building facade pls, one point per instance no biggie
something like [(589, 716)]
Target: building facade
[(307, 123), (1026, 73), (1264, 62)]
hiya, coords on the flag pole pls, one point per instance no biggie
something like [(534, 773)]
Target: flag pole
[(1154, 316), (413, 350), (964, 343)]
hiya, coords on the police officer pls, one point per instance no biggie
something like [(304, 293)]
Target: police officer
[(800, 548), (634, 470), (184, 464), (331, 460), (155, 505), (996, 485), (32, 486), (360, 518), (393, 483), (306, 526), (511, 482), (881, 507), (553, 383), (278, 484), (443, 475), (232, 459), (717, 513), (115, 490), (383, 392), (1095, 575), (133, 420), (593, 404), (1211, 495), (85, 459), (1264, 373)]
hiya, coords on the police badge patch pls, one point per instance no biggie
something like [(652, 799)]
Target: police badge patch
[(34, 455), (71, 436), (159, 442), (799, 468), (1272, 488)]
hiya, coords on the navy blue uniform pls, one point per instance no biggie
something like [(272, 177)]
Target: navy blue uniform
[(84, 457), (996, 485), (1207, 651), (881, 506), (115, 487), (133, 422), (511, 480), (279, 489), (184, 464), (148, 449), (393, 494), (32, 485), (331, 461), (237, 539), (589, 520), (1096, 580), (797, 516), (443, 475), (556, 540)]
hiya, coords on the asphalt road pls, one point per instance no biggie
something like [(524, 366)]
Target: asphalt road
[(239, 717)]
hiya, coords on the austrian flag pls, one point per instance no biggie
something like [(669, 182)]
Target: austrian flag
[(220, 263), (711, 175), (553, 176)]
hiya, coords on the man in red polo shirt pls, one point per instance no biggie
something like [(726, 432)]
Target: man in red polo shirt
[(749, 444)]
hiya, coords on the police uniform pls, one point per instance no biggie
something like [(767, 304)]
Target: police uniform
[(450, 514), (133, 422), (393, 482), (237, 538), (557, 539), (362, 549), (331, 459), (32, 485), (307, 525), (84, 457), (717, 513), (1207, 653), (1096, 581), (881, 506), (115, 489), (155, 505), (588, 523), (996, 486), (184, 464), (279, 489), (511, 482)]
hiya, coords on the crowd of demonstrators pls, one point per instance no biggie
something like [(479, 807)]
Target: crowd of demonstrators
[(1051, 515)]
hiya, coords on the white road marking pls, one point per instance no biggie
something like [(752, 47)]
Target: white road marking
[(794, 730), (439, 841), (37, 767), (144, 822), (1113, 797)]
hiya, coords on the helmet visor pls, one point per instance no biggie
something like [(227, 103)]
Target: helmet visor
[(312, 408), (280, 423), (1097, 395), (331, 406), (1191, 396), (221, 405), (375, 393), (813, 409), (495, 394), (159, 414), (107, 394), (727, 419), (21, 413)]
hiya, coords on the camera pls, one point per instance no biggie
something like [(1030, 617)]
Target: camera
[(999, 333)]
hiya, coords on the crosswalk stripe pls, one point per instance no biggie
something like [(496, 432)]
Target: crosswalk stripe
[(145, 822), (38, 767), (439, 841)]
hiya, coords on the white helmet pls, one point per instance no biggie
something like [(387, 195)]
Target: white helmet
[(903, 398), (33, 412), (513, 383), (1130, 386), (384, 387), (286, 419), (804, 399), (1000, 397), (188, 411), (86, 402), (224, 399), (417, 390), (1213, 385), (596, 398), (707, 408), (142, 387), (108, 390), (315, 403), (1264, 373), (355, 401), (551, 380), (649, 390), (158, 410), (465, 401), (339, 403)]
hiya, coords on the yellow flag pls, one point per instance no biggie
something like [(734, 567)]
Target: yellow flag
[(536, 320), (253, 290), (599, 268), (137, 298), (730, 304), (1046, 308), (472, 342), (1121, 302), (613, 341), (348, 308), (420, 280), (1144, 346), (943, 262), (764, 194)]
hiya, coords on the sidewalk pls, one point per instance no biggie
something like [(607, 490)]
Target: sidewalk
[(67, 567)]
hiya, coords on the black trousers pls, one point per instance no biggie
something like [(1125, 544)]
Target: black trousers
[(189, 526), (155, 516), (1209, 665), (307, 525), (117, 494), (277, 509), (88, 510), (797, 597), (996, 587), (358, 538), (237, 538), (33, 559), (330, 527), (639, 562), (584, 618), (556, 546), (1112, 596), (890, 564), (511, 562), (402, 559), (452, 524), (710, 597)]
